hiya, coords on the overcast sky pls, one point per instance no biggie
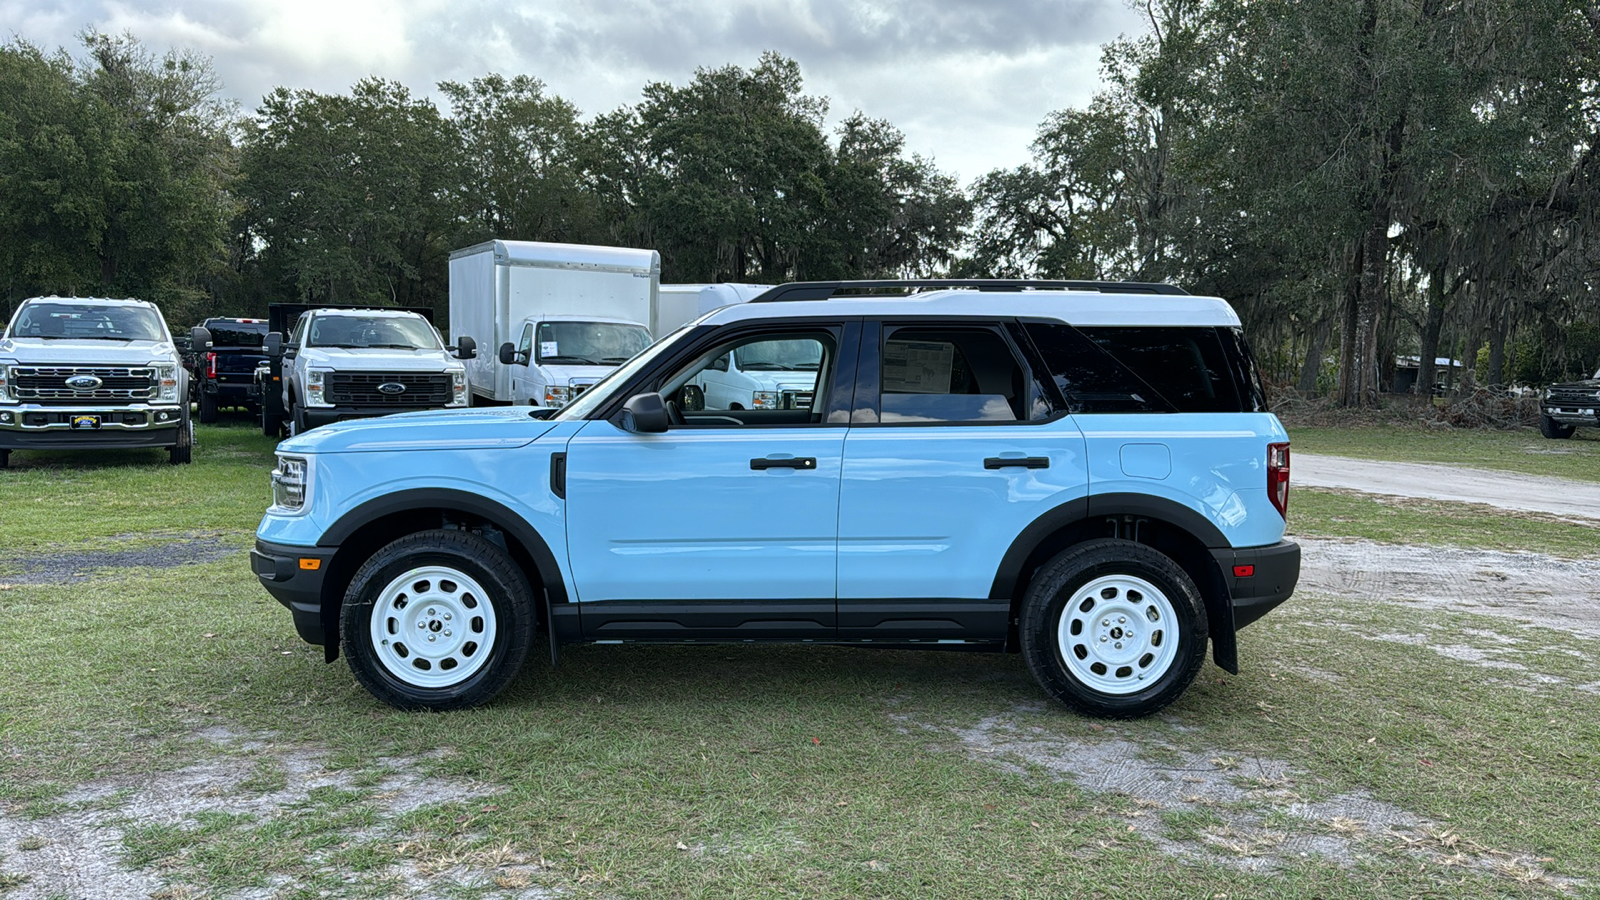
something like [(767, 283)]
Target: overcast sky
[(968, 81)]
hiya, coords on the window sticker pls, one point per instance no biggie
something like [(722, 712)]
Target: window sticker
[(548, 348), (917, 367)]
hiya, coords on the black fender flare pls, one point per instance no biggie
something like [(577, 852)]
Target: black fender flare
[(1138, 506)]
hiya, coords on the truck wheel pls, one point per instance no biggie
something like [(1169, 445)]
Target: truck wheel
[(208, 408), (1550, 428), (181, 453), (437, 620), (5, 459), (1113, 629)]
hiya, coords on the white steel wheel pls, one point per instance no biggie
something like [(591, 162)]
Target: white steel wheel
[(1117, 634), (432, 627)]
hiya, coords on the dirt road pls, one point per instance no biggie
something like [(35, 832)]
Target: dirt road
[(1507, 490)]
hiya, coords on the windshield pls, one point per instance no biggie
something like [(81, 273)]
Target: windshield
[(589, 343), (779, 356), (67, 321), (597, 395), (387, 332)]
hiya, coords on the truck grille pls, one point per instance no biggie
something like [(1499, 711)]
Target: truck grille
[(795, 399), (48, 384), (1571, 397), (421, 389)]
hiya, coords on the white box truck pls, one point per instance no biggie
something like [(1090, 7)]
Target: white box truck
[(561, 315), (682, 303)]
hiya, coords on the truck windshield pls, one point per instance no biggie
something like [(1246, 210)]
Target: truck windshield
[(779, 356), (589, 343), (68, 321), (386, 332), (595, 396)]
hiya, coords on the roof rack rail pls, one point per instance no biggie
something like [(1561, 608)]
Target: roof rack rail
[(824, 290)]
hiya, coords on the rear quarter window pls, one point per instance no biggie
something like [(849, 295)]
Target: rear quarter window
[(1149, 369)]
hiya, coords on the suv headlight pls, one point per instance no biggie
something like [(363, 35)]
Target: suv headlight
[(764, 400), (166, 383), (291, 484), (557, 395), (316, 394), (458, 387)]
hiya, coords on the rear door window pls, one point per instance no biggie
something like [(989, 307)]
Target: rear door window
[(939, 374)]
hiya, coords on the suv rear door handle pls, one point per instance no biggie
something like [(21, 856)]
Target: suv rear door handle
[(793, 462), (1026, 462)]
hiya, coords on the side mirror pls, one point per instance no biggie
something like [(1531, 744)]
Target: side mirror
[(508, 353), (691, 398), (644, 414), (200, 339), (272, 344), (720, 363), (466, 348)]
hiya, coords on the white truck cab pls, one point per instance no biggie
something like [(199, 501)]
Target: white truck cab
[(774, 374), (555, 359)]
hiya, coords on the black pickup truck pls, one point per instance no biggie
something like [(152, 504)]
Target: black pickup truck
[(1563, 407), (224, 372)]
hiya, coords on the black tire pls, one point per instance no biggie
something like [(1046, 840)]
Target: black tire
[(182, 453), (1168, 655), (208, 408), (5, 459), (422, 584), (1550, 428), (271, 425)]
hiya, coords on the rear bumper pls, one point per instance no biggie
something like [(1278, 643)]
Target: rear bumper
[(286, 574), (1274, 571)]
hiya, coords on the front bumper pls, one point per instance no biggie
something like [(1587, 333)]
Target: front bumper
[(1274, 571), (326, 415), (1587, 415), (29, 427), (293, 576)]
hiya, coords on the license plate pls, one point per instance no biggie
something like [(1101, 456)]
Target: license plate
[(86, 423)]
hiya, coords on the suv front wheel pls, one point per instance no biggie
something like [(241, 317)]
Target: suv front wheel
[(437, 620), (1113, 628)]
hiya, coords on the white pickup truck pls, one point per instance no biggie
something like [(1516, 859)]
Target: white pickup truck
[(81, 373), (341, 364)]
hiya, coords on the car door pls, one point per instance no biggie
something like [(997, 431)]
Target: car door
[(724, 526), (953, 450)]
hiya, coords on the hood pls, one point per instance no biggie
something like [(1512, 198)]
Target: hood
[(781, 381), (578, 374), (443, 429), (86, 353), (377, 358), (1587, 384)]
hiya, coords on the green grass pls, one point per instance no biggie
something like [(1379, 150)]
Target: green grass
[(1521, 450), (776, 771), (1319, 512)]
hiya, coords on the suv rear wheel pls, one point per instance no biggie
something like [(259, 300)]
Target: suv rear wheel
[(1113, 628), (437, 620)]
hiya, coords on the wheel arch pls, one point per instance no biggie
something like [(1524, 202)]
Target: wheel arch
[(363, 530), (1179, 532)]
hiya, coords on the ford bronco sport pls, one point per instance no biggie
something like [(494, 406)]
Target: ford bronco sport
[(1082, 472)]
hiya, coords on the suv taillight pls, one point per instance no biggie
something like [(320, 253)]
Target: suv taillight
[(211, 365), (1278, 478)]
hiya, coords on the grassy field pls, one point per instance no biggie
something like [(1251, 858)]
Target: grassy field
[(176, 708), (1521, 450)]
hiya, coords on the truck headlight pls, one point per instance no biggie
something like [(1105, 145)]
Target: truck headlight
[(458, 388), (557, 395), (764, 400), (316, 395), (291, 482), (166, 383), (5, 384)]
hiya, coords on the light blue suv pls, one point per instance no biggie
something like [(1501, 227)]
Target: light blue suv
[(1082, 472)]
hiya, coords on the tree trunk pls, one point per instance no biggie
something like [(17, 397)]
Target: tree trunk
[(1431, 327), (1312, 367), (1496, 376)]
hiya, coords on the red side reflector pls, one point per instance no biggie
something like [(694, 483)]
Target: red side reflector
[(1243, 571)]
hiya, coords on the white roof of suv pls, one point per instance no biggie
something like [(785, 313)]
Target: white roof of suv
[(1076, 307)]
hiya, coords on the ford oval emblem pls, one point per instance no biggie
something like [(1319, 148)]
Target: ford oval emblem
[(84, 382), (392, 387)]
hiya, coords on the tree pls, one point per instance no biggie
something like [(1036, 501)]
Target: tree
[(351, 198)]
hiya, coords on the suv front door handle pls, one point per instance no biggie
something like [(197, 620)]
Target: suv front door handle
[(1026, 462), (793, 462)]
